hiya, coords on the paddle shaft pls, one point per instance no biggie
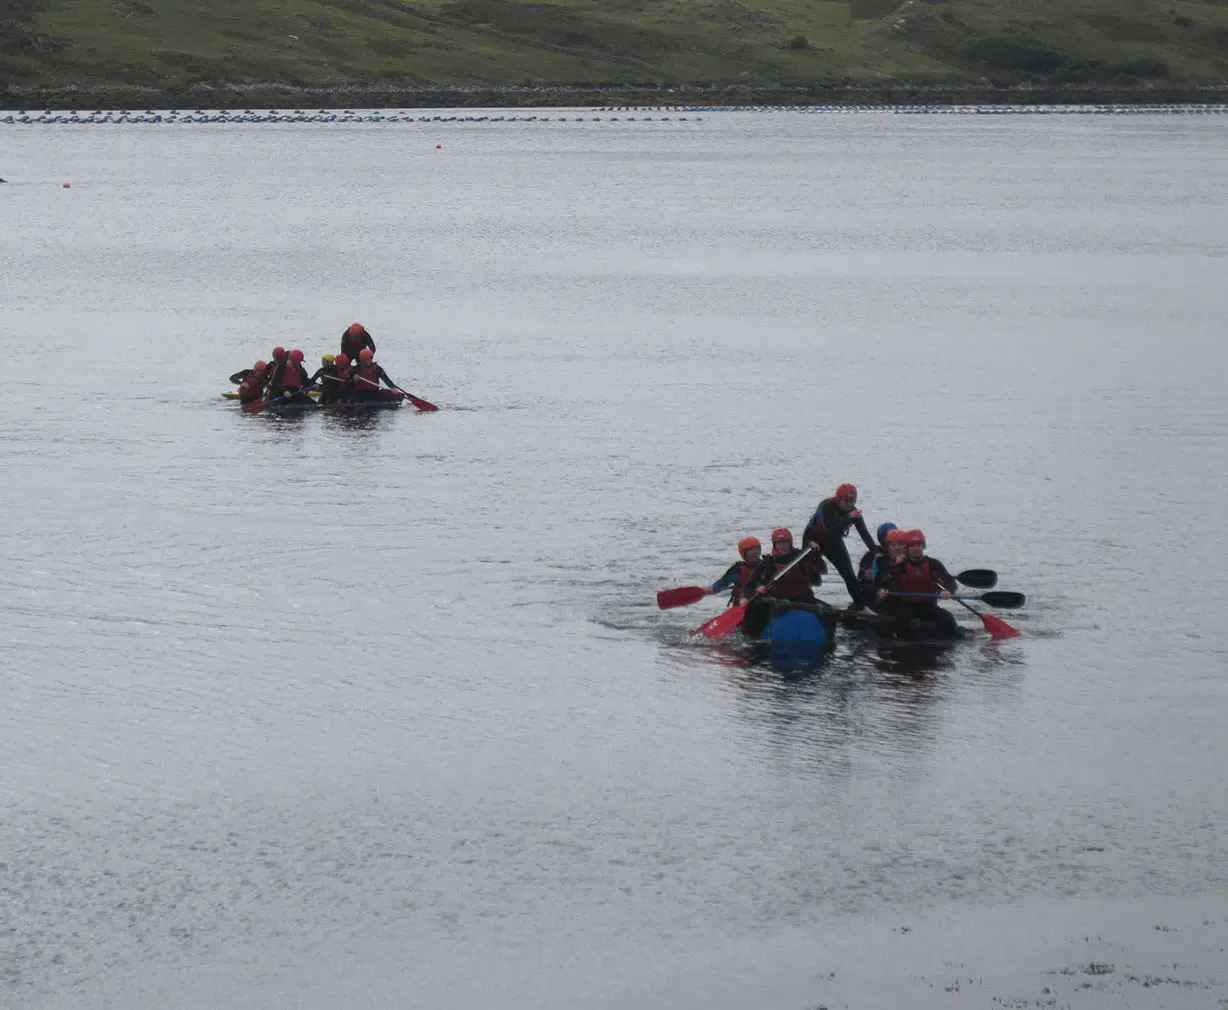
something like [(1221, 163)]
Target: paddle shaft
[(780, 574)]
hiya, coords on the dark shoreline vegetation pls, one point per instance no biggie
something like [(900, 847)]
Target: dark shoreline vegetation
[(334, 54), (359, 97)]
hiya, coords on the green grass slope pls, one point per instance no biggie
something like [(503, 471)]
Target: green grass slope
[(171, 44)]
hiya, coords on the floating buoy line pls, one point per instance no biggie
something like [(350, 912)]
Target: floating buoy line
[(54, 118), (613, 114)]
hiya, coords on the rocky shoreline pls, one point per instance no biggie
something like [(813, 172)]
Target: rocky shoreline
[(236, 96)]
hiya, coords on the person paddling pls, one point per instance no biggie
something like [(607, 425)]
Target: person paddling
[(925, 576), (794, 585), (290, 379), (327, 379), (740, 572), (828, 527), (251, 385), (895, 553), (367, 377), (354, 340)]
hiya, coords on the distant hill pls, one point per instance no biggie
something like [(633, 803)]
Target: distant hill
[(757, 44)]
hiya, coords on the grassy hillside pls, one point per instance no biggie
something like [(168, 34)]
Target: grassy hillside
[(170, 44)]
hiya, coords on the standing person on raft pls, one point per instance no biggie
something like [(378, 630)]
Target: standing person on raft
[(354, 339), (829, 526)]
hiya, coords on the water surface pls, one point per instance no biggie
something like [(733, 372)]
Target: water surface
[(382, 712)]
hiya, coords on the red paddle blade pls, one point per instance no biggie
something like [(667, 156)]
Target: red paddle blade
[(255, 406), (722, 623), (997, 627), (420, 403), (681, 597)]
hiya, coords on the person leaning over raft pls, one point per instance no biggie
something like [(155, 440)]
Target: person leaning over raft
[(794, 585), (829, 526), (740, 572), (927, 578), (251, 383), (354, 339)]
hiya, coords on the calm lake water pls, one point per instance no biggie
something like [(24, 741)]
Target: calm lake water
[(381, 712)]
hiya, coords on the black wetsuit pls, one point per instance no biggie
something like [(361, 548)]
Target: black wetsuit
[(331, 386), (828, 527), (351, 346)]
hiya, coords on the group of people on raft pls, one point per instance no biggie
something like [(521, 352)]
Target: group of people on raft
[(353, 376), (895, 578)]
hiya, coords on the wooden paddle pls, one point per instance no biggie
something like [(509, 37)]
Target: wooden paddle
[(418, 402), (725, 622), (683, 596)]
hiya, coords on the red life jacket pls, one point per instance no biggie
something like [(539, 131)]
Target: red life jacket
[(795, 582), (915, 577), (370, 373), (251, 387), (745, 571), (291, 377)]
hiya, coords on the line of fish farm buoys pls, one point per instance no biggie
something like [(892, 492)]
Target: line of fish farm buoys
[(596, 115), (50, 118)]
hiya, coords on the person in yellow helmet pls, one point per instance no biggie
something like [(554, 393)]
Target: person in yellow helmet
[(330, 382)]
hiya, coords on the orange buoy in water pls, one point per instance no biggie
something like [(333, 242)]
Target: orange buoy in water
[(438, 146)]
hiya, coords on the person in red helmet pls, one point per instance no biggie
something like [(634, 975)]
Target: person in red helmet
[(251, 382), (290, 379), (795, 585), (740, 572), (928, 579), (367, 377), (828, 527), (354, 339)]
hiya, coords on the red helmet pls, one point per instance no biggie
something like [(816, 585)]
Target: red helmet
[(366, 354), (342, 361), (914, 538), (296, 355), (897, 537), (782, 535), (746, 543), (846, 492), (354, 329), (260, 366), (278, 353)]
